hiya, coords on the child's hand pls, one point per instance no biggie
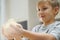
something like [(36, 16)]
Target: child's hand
[(8, 31)]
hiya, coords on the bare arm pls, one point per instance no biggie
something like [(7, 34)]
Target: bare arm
[(10, 39), (37, 36), (16, 38)]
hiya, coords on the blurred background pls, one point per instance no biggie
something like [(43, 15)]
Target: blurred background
[(24, 11)]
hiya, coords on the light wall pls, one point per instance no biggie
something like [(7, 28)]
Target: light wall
[(33, 20), (17, 9)]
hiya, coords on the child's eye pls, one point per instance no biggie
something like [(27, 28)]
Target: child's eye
[(38, 9), (44, 8)]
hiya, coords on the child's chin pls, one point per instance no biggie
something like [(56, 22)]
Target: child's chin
[(42, 20)]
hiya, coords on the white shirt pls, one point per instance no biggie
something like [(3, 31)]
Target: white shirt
[(53, 29)]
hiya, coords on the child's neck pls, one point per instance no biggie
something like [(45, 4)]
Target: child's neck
[(48, 22)]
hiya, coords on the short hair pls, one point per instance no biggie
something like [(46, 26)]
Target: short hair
[(54, 3)]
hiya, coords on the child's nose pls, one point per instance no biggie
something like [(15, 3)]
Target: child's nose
[(41, 12)]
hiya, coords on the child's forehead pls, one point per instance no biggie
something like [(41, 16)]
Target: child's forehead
[(43, 4)]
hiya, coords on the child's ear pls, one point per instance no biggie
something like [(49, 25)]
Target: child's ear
[(56, 10)]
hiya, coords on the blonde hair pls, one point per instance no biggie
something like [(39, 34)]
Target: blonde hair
[(53, 3)]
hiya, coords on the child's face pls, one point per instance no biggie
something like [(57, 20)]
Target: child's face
[(45, 11)]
